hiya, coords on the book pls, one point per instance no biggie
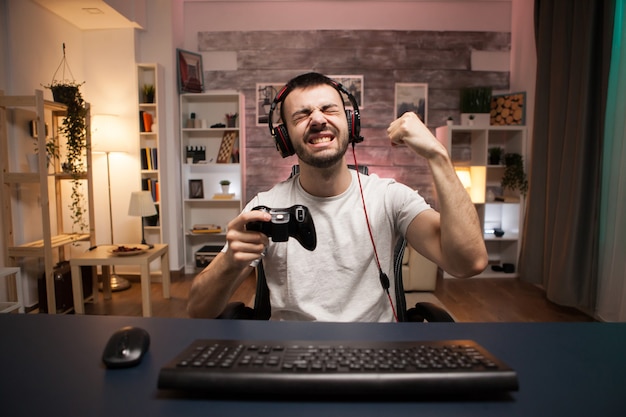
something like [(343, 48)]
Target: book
[(147, 122), (222, 196), (206, 228)]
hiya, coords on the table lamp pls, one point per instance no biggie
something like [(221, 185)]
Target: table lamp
[(142, 205)]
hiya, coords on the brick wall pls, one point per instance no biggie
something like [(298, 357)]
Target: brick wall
[(440, 59)]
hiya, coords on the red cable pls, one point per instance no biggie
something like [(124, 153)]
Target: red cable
[(369, 229)]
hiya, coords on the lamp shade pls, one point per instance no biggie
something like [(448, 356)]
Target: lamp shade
[(107, 134), (141, 204)]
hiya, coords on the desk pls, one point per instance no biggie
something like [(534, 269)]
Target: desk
[(102, 256), (52, 367)]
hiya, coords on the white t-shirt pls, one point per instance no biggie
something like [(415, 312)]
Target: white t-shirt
[(339, 280)]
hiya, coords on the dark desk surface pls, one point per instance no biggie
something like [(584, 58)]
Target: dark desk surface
[(50, 366)]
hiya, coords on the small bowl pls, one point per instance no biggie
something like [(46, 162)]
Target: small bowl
[(498, 232)]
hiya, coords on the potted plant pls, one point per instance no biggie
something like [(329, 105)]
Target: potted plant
[(73, 128), (148, 93), (476, 102), (495, 155), (514, 177), (225, 186)]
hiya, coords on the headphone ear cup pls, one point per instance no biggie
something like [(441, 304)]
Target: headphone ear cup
[(350, 124), (283, 141), (354, 126)]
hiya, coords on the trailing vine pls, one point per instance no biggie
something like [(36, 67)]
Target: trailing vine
[(73, 128)]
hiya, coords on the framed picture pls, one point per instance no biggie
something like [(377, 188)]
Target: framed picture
[(265, 95), (354, 84), (190, 72), (508, 109), (196, 189), (412, 97)]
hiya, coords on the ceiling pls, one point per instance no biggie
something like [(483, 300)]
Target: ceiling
[(88, 14)]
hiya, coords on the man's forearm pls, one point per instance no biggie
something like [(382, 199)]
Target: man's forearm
[(462, 242), (212, 288)]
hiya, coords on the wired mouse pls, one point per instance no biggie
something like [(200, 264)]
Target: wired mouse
[(126, 347)]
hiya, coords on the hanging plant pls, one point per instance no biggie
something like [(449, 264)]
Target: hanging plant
[(73, 128), (514, 177)]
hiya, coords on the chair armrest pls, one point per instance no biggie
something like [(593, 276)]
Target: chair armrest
[(429, 312), (236, 311)]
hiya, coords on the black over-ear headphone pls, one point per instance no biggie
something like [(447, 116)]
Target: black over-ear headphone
[(281, 137)]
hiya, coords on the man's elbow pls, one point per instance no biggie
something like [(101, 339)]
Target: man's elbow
[(473, 266)]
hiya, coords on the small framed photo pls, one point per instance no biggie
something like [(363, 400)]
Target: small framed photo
[(196, 189), (265, 95), (354, 85), (190, 72), (412, 97)]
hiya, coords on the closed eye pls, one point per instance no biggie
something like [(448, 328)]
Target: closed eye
[(328, 109)]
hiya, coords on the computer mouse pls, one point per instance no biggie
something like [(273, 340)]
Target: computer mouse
[(126, 347)]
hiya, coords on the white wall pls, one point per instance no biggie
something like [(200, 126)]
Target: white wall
[(112, 89)]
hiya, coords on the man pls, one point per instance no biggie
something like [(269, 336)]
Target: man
[(339, 280)]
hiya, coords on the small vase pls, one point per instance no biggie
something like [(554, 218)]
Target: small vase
[(225, 189)]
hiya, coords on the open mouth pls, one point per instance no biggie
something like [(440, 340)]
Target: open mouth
[(317, 139)]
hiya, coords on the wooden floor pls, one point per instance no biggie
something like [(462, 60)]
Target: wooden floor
[(469, 300)]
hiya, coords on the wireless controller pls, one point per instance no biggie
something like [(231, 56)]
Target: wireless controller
[(295, 221)]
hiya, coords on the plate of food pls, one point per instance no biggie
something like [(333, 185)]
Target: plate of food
[(128, 250)]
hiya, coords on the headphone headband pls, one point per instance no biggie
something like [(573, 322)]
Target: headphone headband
[(281, 136)]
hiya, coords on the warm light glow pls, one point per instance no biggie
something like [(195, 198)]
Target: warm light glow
[(141, 204), (474, 179), (464, 175), (107, 135)]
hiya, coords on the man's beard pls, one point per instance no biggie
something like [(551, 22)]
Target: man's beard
[(323, 160)]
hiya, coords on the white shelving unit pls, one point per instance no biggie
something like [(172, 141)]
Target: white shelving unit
[(204, 131), (468, 147), (150, 138)]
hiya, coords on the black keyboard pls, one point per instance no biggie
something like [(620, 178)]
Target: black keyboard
[(337, 369)]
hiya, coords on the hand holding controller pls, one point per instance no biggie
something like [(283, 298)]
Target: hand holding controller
[(295, 221)]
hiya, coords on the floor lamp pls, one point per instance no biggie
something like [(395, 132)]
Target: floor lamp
[(105, 141)]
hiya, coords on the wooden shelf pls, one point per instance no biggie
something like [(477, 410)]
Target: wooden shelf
[(35, 249), (47, 186)]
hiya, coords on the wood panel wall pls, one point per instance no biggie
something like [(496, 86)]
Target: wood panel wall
[(440, 59)]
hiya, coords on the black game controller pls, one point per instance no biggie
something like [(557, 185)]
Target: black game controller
[(295, 221)]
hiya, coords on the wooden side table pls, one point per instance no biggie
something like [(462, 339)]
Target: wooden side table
[(102, 256)]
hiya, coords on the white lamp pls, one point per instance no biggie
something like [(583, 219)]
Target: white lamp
[(106, 138), (141, 205)]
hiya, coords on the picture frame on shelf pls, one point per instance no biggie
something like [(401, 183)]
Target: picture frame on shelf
[(508, 109), (265, 95), (196, 189), (353, 84), (190, 72), (412, 97)]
